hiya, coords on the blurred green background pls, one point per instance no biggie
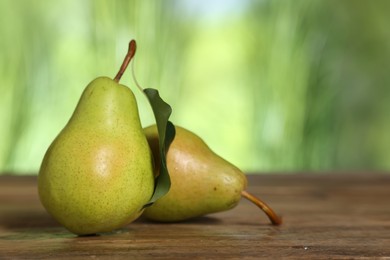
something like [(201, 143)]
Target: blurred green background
[(272, 86)]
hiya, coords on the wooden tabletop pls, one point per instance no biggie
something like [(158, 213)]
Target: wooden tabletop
[(325, 216)]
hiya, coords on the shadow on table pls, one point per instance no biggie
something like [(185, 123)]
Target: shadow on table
[(202, 220)]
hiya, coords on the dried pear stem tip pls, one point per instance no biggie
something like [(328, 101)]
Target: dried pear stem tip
[(275, 219), (130, 54)]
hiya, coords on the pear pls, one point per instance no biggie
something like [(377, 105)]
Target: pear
[(97, 174), (201, 181)]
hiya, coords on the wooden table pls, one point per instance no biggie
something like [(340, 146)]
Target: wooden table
[(339, 216)]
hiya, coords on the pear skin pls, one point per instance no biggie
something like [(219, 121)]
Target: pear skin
[(201, 181), (97, 174)]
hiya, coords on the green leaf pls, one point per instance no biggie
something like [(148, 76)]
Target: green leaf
[(166, 133)]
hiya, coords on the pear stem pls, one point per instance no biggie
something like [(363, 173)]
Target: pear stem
[(275, 219), (130, 54)]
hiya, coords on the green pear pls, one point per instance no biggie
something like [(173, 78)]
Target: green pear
[(97, 174), (201, 181)]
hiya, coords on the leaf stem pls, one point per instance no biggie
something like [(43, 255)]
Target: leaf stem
[(130, 54), (135, 79), (275, 219)]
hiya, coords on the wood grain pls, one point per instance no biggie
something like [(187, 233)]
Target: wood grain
[(345, 216)]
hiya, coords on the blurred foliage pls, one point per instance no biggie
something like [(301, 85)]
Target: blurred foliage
[(270, 85)]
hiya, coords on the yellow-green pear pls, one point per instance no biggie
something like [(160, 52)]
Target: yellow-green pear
[(97, 174), (201, 181)]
